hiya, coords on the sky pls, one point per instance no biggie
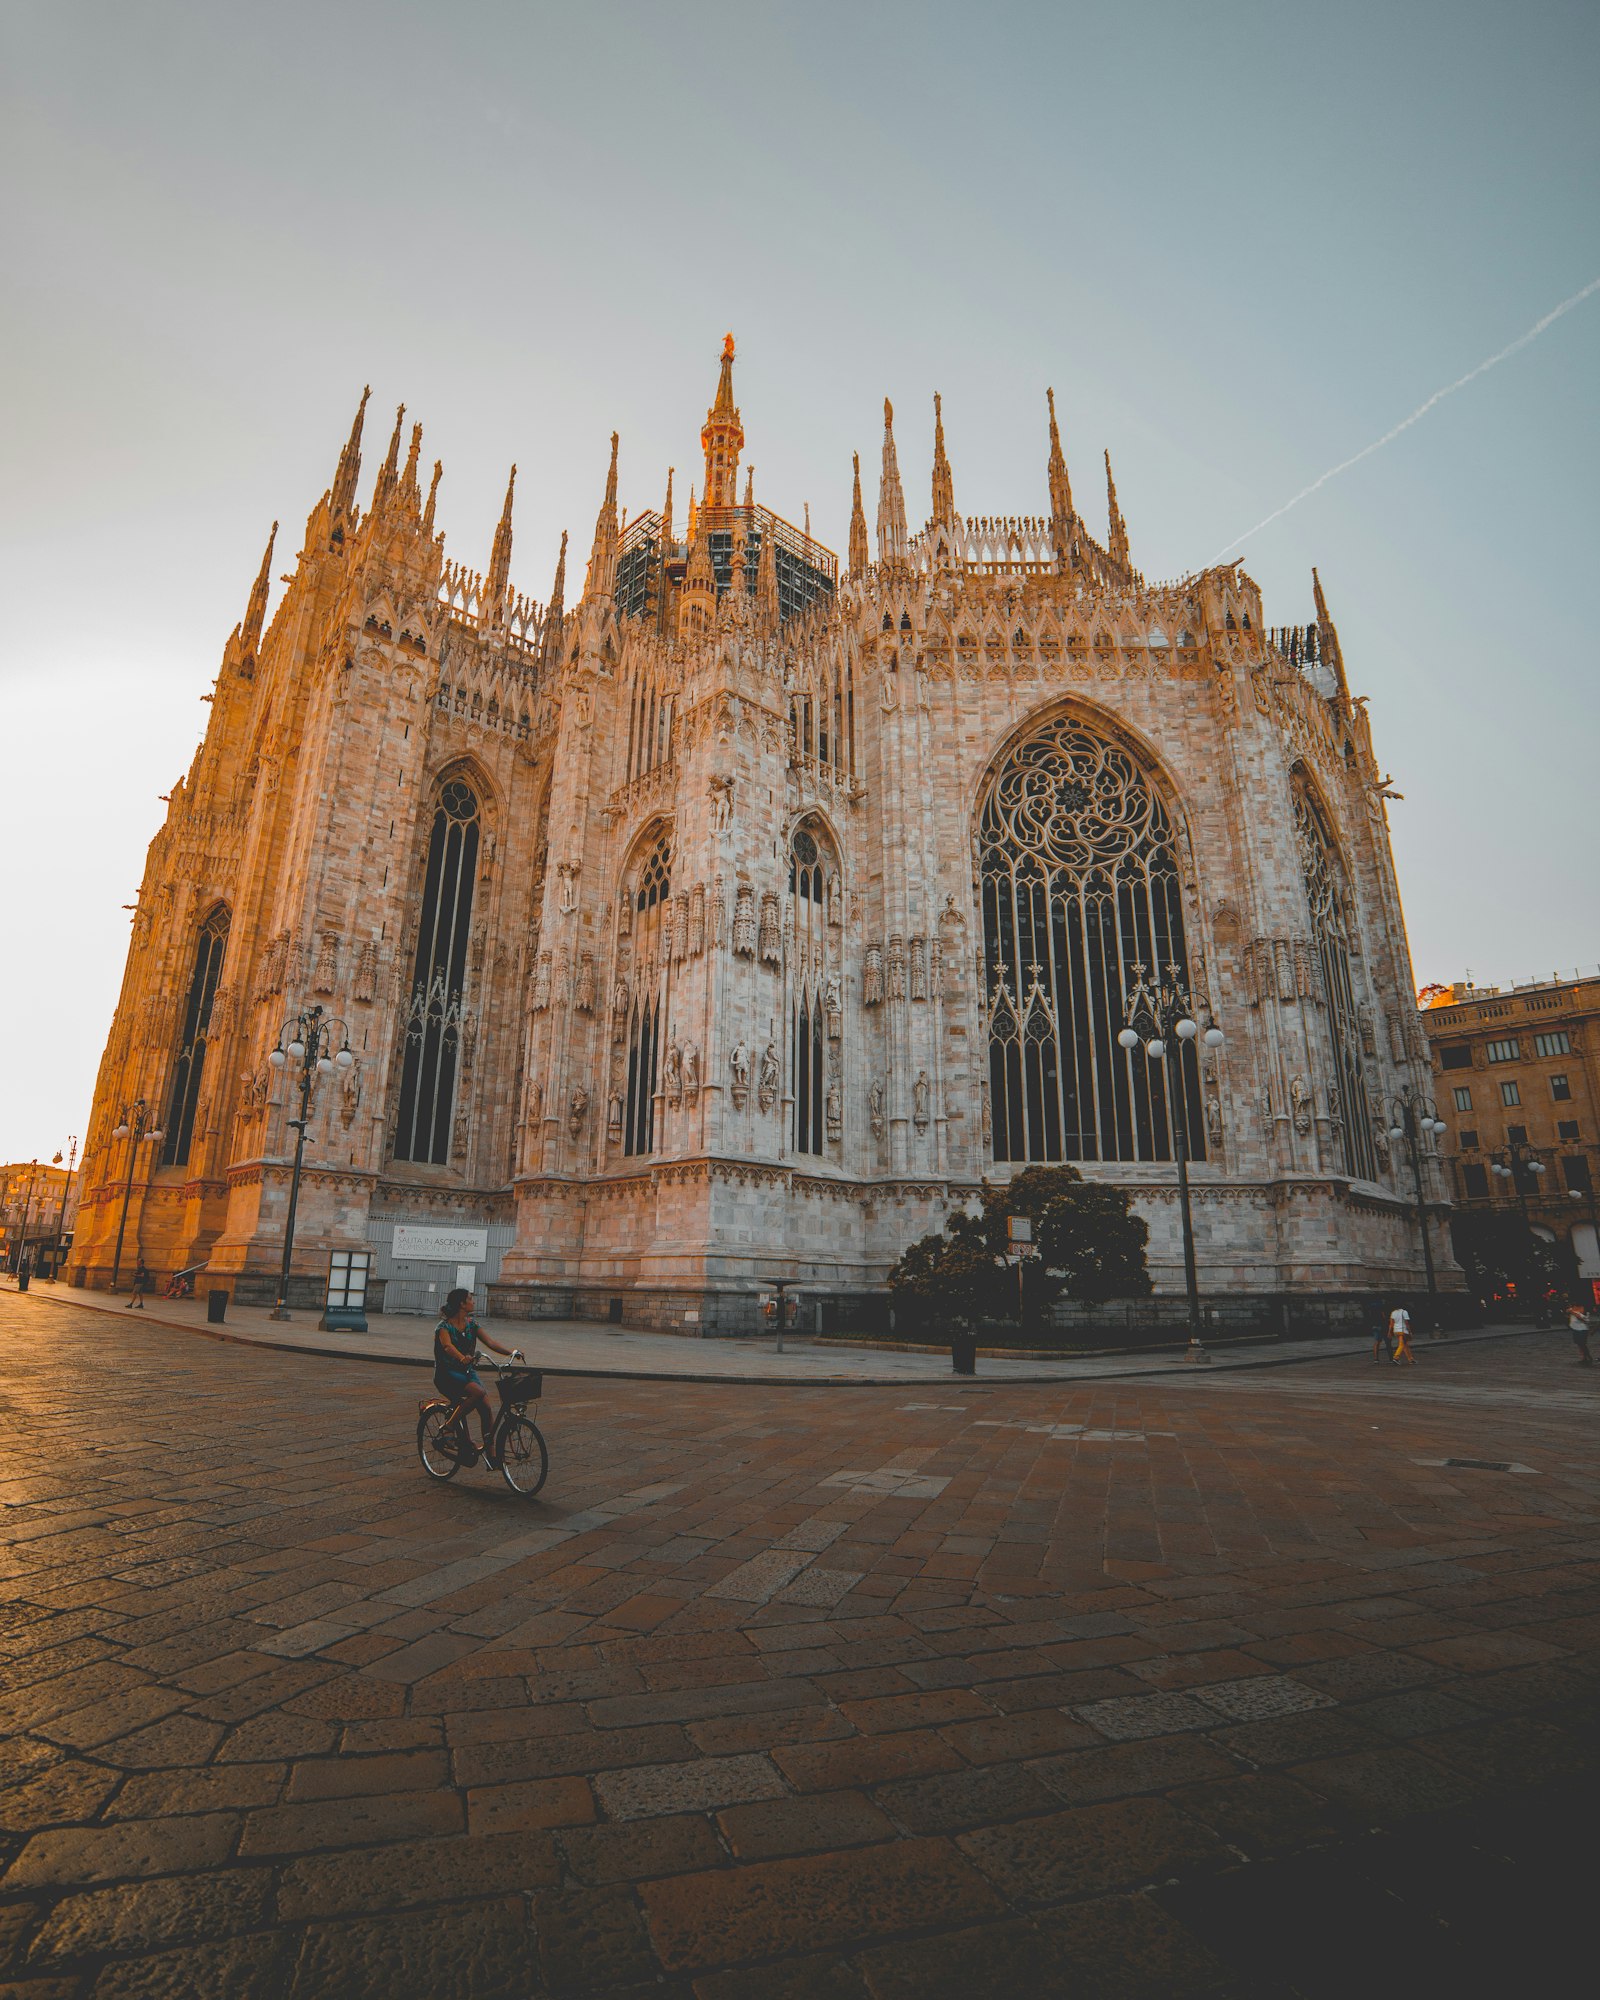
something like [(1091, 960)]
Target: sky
[(1241, 240)]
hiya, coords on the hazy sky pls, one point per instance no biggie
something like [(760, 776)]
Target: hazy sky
[(1241, 240)]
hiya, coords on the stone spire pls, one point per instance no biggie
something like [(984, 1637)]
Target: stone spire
[(255, 616), (342, 498), (389, 471), (410, 491), (944, 499), (859, 556), (891, 501), (769, 612), (498, 580), (723, 438), (697, 601), (1061, 508), (666, 515), (602, 576), (433, 495), (690, 531), (1117, 530), (555, 610), (1328, 634)]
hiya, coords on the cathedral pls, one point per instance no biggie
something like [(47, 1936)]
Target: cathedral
[(736, 921)]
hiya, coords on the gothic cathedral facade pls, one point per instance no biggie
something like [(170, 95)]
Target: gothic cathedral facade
[(740, 920)]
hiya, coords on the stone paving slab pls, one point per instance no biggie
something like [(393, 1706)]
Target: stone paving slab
[(1162, 1685)]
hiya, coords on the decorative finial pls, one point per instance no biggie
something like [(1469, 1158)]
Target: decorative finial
[(498, 581), (944, 503)]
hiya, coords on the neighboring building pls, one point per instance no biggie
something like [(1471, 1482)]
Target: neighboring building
[(31, 1194), (1516, 1077), (737, 922)]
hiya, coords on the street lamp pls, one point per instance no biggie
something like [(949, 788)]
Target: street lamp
[(133, 1124), (61, 1213), (1163, 1018), (310, 1035), (18, 1256), (1412, 1118)]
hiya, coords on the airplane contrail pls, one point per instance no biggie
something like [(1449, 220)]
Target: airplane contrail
[(1416, 415)]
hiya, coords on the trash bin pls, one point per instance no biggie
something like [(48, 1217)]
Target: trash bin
[(964, 1353), (24, 1276), (216, 1308)]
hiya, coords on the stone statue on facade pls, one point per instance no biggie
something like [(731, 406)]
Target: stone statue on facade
[(767, 1088)]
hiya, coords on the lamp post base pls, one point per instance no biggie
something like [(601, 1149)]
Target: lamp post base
[(278, 1313)]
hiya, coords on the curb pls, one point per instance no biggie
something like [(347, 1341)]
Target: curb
[(1182, 1369)]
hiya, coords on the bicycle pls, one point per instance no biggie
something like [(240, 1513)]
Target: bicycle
[(444, 1445)]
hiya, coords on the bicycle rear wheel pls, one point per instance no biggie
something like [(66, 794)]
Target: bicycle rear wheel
[(524, 1461), (437, 1444)]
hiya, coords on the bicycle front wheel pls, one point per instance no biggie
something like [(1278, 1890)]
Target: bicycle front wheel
[(436, 1444), (524, 1461)]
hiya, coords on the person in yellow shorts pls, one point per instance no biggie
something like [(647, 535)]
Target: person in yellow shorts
[(1400, 1336)]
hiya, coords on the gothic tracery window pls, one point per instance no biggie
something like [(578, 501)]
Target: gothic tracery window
[(1338, 953), (811, 1027), (209, 948), (651, 939), (434, 1014), (1080, 890)]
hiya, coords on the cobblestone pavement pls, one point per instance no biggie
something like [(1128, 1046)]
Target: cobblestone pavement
[(1229, 1685)]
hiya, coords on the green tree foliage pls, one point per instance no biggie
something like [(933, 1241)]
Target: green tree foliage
[(1091, 1247)]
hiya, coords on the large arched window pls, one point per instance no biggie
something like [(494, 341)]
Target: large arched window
[(652, 934), (208, 951), (438, 981), (1080, 892), (1338, 953), (812, 1024)]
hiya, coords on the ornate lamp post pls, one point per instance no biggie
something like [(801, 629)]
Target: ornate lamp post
[(1412, 1118), (1521, 1161), (1162, 1017), (133, 1124), (19, 1250), (61, 1212), (310, 1035)]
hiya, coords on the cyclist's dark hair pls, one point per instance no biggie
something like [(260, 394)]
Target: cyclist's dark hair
[(454, 1300)]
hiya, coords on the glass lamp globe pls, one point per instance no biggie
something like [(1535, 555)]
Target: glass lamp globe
[(1187, 1029), (1155, 1050), (1535, 1166), (1397, 1132), (119, 1131), (1213, 1037), (1128, 1039), (325, 1065), (155, 1133), (296, 1048), (345, 1058), (277, 1059)]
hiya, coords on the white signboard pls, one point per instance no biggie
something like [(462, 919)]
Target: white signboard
[(440, 1246)]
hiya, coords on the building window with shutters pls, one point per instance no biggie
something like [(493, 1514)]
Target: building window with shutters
[(1509, 1093), (1463, 1098), (1503, 1051)]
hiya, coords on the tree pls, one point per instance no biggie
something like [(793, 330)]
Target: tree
[(1090, 1247)]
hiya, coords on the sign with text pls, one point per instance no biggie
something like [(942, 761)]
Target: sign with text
[(440, 1246)]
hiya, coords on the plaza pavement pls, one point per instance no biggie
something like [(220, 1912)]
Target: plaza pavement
[(1224, 1683), (588, 1347)]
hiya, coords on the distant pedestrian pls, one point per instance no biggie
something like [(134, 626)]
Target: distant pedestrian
[(1382, 1347), (142, 1282), (1400, 1335), (1578, 1327)]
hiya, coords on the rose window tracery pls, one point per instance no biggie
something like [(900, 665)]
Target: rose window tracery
[(1080, 888)]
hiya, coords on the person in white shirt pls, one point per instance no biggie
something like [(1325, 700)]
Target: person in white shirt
[(1400, 1334)]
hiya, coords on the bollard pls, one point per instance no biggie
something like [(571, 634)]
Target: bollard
[(216, 1308), (963, 1354)]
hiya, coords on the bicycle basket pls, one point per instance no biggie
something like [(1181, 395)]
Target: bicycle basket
[(520, 1385)]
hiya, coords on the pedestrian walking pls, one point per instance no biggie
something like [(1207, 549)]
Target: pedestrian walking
[(1382, 1346), (142, 1282), (1578, 1327), (1400, 1336)]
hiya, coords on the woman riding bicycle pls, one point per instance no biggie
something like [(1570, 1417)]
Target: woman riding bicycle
[(455, 1341)]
